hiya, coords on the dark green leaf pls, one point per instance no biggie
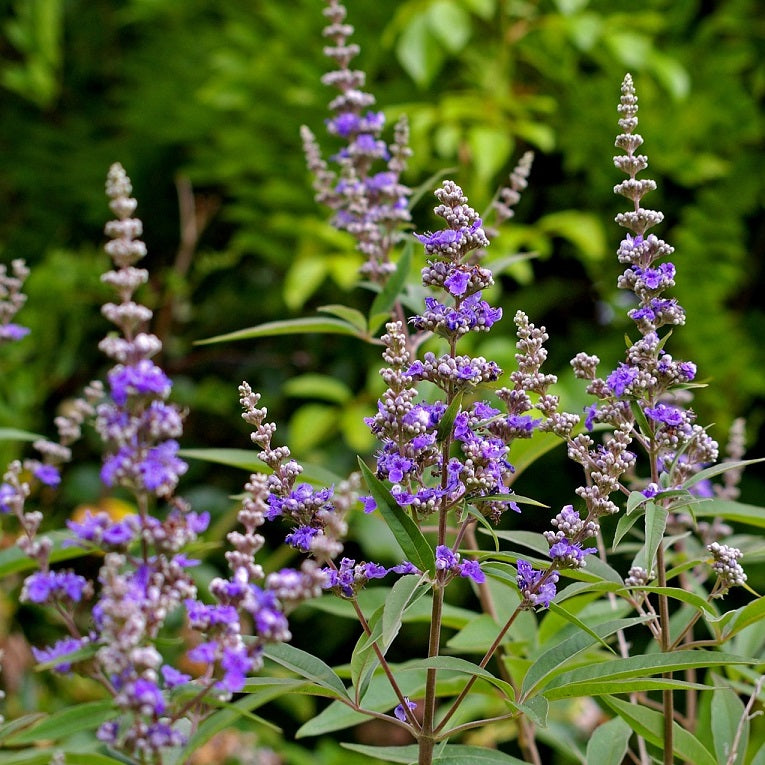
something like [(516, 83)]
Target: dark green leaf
[(414, 545), (447, 421), (386, 298), (650, 725), (306, 665)]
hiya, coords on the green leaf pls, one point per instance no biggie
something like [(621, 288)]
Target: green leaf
[(458, 754), (628, 685), (608, 743), (640, 666), (310, 425), (727, 713), (447, 421), (732, 511), (584, 230), (414, 545), (450, 23), (552, 661), (309, 324), (418, 51), (7, 728), (650, 725), (386, 298), (455, 664), (306, 665), (655, 526), (349, 315), (402, 754), (404, 593), (517, 498), (70, 720), (623, 525), (526, 451), (733, 622), (14, 561), (322, 387), (14, 434), (721, 467), (248, 460)]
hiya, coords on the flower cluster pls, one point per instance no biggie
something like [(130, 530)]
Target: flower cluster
[(370, 204), (11, 300)]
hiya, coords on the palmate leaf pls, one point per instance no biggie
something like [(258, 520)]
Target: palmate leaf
[(650, 725), (415, 547)]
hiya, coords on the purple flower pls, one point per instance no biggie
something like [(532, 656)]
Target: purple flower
[(374, 571), (536, 588), (236, 664), (590, 412), (7, 494), (457, 282), (173, 677), (369, 504), (12, 332), (161, 468), (621, 378), (48, 475), (142, 378), (41, 587), (669, 415), (118, 534), (569, 553), (399, 710), (445, 558), (472, 570), (59, 649), (405, 568), (147, 697), (301, 538)]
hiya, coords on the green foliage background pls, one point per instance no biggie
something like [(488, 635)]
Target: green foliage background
[(206, 97)]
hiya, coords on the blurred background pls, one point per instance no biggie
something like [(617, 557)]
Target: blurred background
[(202, 101)]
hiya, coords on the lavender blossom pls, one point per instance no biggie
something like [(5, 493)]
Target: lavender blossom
[(370, 203), (11, 300)]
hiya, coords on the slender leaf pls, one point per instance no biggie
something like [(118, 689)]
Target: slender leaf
[(553, 661), (349, 315), (458, 754), (14, 434), (691, 598), (623, 525), (402, 754), (447, 420), (721, 467), (641, 666), (309, 324), (404, 593), (10, 727), (306, 665), (608, 743), (628, 685), (517, 498), (650, 725), (14, 561), (732, 511), (385, 299), (248, 460), (733, 622), (655, 525), (455, 664), (727, 713), (414, 545), (69, 720)]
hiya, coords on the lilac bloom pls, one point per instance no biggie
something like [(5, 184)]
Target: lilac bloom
[(369, 504), (472, 570), (48, 475), (445, 558), (399, 710), (669, 415), (457, 282), (621, 378), (173, 677)]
